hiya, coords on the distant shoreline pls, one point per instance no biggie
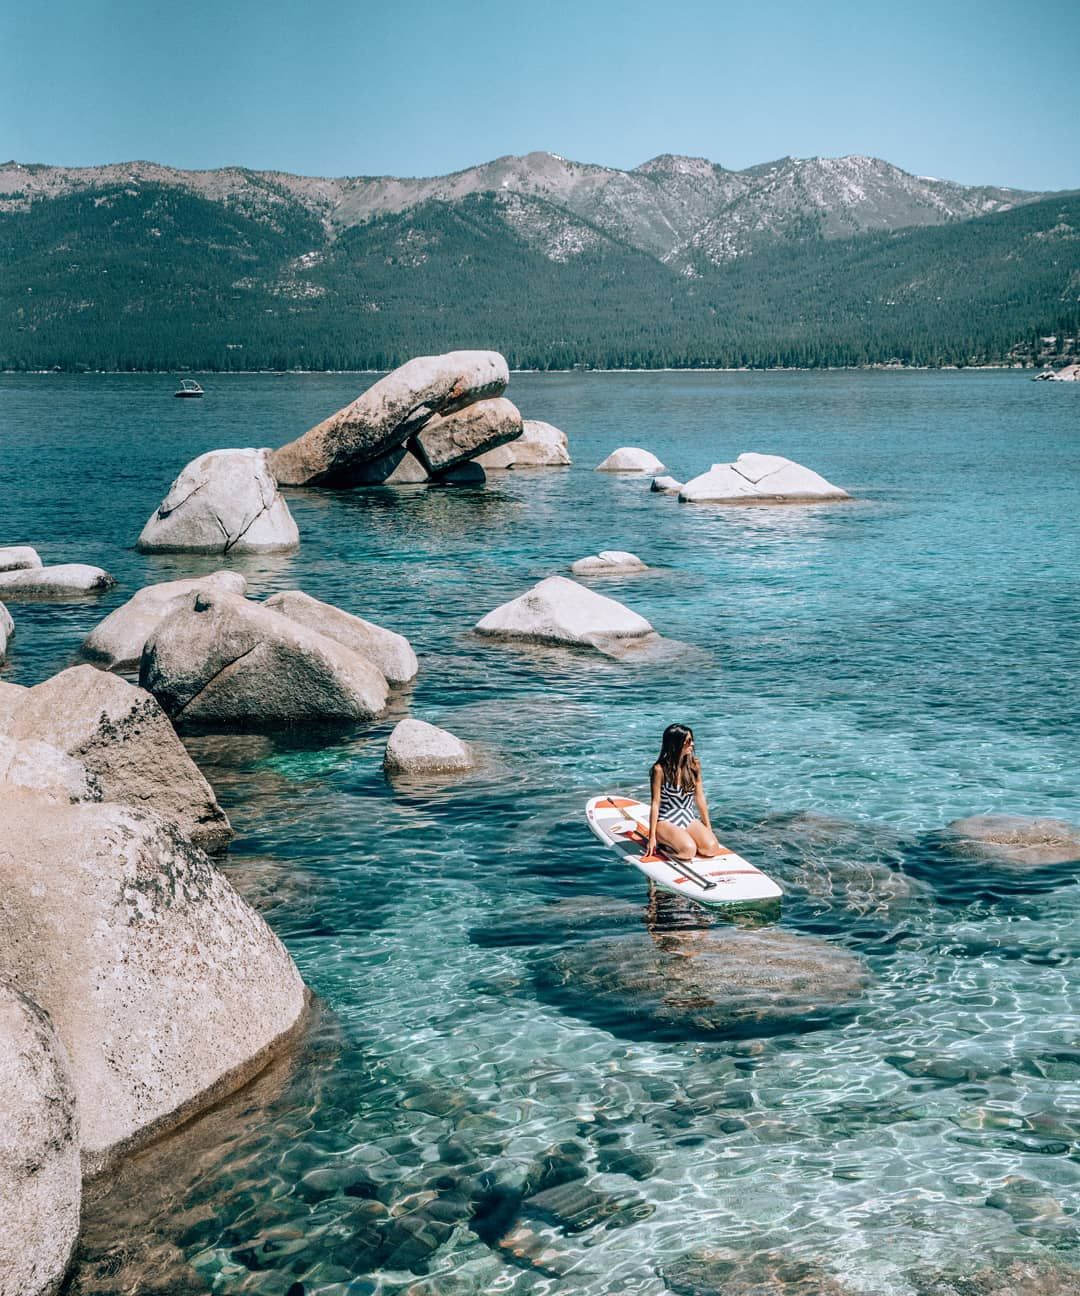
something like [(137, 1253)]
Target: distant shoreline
[(683, 369)]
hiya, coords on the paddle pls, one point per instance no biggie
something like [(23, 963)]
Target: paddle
[(677, 864)]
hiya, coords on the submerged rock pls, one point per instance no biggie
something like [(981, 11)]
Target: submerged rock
[(387, 414), (760, 479), (416, 747), (125, 741), (560, 611), (1028, 1276), (68, 580), (18, 557), (166, 990), (117, 642), (1014, 842), (630, 459), (724, 1271), (728, 980), (40, 1176), (447, 440), (223, 660), (608, 562), (225, 501), (391, 653)]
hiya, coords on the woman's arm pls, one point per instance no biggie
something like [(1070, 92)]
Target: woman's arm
[(654, 809), (702, 805)]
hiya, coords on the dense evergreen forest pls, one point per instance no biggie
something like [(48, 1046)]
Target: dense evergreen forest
[(152, 278)]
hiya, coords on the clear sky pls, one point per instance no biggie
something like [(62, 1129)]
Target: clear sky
[(980, 91)]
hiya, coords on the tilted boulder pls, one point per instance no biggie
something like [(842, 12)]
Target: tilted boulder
[(609, 562), (225, 501), (117, 642), (630, 459), (125, 741), (391, 653), (165, 988), (18, 557), (42, 768), (448, 440), (760, 479), (65, 581), (416, 747), (560, 611), (224, 660), (387, 414), (40, 1175)]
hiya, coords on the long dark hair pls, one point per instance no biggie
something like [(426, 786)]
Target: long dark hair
[(680, 768)]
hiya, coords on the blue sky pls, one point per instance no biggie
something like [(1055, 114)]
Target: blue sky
[(977, 92)]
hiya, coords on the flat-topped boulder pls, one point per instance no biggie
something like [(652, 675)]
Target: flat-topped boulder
[(223, 502), (40, 1174), (391, 653), (609, 562), (562, 612), (125, 741), (221, 660), (166, 990), (449, 440), (541, 445), (117, 642), (418, 748), (64, 581), (18, 558), (387, 414), (1014, 842), (666, 486), (630, 459), (760, 479)]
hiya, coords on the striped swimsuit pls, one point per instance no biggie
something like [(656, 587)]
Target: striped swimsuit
[(677, 807)]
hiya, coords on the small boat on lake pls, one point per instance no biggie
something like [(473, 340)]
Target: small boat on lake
[(188, 388)]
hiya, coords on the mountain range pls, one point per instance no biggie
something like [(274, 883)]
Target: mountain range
[(816, 261)]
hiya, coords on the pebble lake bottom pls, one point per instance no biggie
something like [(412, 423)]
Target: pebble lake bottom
[(523, 1077)]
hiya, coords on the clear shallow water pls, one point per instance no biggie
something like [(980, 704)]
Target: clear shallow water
[(857, 677)]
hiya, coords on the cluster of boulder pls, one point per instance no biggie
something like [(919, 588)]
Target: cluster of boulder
[(434, 419), (24, 578), (1070, 373), (750, 479)]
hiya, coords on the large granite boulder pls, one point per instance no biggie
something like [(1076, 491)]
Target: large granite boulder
[(630, 459), (125, 741), (387, 414), (1014, 842), (117, 642), (40, 1176), (541, 446), (47, 770), (447, 440), (729, 980), (7, 629), (165, 988), (65, 581), (560, 611), (223, 660), (224, 502), (391, 653), (18, 557), (417, 748), (760, 479), (609, 562)]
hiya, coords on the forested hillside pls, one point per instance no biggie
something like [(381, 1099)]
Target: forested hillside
[(154, 276)]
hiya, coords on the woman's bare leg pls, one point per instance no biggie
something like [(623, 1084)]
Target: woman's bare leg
[(704, 841), (677, 840)]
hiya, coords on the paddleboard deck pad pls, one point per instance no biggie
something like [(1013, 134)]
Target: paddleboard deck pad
[(724, 879)]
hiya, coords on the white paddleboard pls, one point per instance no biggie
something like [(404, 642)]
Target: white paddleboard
[(623, 824)]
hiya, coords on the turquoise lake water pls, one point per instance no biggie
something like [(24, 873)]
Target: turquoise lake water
[(857, 677)]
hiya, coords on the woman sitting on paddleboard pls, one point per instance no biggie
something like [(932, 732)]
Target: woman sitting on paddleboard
[(678, 816)]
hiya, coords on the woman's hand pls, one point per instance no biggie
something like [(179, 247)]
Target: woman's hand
[(650, 848)]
